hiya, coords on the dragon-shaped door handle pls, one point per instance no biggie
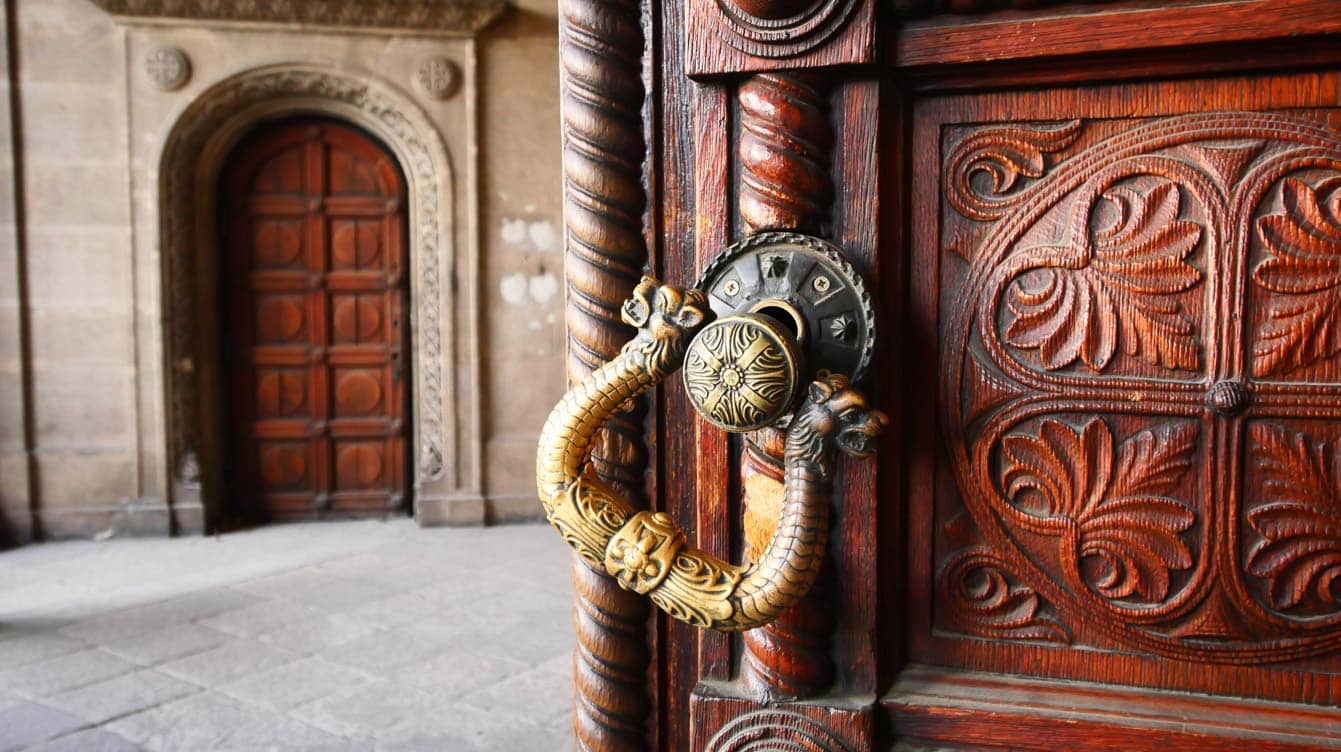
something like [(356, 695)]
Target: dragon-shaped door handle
[(787, 300)]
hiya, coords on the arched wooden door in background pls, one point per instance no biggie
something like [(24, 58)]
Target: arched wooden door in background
[(315, 323)]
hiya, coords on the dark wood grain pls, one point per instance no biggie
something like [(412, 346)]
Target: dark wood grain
[(1088, 31), (917, 577), (790, 34), (601, 50), (784, 150), (317, 327)]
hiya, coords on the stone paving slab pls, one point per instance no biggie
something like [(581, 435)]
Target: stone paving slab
[(326, 636)]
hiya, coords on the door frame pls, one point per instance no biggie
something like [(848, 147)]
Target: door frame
[(443, 317)]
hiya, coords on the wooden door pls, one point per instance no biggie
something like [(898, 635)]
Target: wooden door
[(1105, 238), (316, 330)]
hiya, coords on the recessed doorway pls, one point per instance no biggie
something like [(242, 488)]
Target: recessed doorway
[(315, 324)]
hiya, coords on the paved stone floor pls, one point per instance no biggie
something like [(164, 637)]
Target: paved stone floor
[(338, 635)]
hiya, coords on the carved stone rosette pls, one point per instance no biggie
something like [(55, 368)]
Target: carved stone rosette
[(1136, 310), (600, 50)]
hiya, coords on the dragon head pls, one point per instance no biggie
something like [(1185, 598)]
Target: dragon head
[(667, 318), (834, 415)]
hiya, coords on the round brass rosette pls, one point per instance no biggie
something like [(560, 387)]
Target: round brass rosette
[(742, 372)]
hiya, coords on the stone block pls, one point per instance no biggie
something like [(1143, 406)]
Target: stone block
[(65, 41), (82, 408), (452, 511), (458, 672), (260, 618), (509, 468), (104, 197), (84, 479), (89, 740), (535, 690), (317, 633), (20, 648), (123, 695), (81, 338), (57, 675), (30, 724), (509, 509), (227, 663), (178, 641), (85, 134), (209, 720), (288, 686), (382, 653), (101, 254)]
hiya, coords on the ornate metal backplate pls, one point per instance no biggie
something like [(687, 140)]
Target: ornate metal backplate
[(807, 280)]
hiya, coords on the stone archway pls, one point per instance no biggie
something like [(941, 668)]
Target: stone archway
[(192, 159)]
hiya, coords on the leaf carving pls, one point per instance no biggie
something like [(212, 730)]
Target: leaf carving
[(1300, 523), (1114, 504), (1005, 154), (1121, 289), (1303, 246)]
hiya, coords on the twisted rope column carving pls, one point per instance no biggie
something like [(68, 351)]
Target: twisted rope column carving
[(785, 145), (600, 52)]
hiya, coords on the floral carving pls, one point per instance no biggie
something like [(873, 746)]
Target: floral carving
[(740, 374), (983, 600), (640, 554), (1303, 246), (1113, 505), (1120, 288), (1005, 154), (1300, 523)]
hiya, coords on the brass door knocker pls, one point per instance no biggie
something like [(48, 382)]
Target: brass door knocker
[(762, 340)]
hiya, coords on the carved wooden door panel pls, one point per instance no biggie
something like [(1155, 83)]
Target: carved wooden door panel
[(1105, 245), (1136, 377), (314, 216)]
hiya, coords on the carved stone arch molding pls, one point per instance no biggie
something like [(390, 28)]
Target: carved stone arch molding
[(193, 156)]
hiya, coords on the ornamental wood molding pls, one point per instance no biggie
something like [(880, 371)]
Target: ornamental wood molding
[(1136, 545), (465, 17), (734, 36), (601, 48)]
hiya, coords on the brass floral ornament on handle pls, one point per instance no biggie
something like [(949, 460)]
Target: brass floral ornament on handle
[(647, 552)]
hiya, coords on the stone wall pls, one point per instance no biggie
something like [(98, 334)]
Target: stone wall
[(521, 205), (84, 420)]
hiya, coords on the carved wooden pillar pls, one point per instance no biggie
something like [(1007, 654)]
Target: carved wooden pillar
[(600, 49), (785, 184)]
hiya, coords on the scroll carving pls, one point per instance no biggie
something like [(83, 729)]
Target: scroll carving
[(1138, 312), (983, 599), (770, 728), (1005, 155)]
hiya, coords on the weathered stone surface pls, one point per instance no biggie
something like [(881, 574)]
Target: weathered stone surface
[(94, 125), (31, 723), (431, 666), (123, 695)]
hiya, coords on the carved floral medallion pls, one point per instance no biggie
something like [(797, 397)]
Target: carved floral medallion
[(1141, 385)]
